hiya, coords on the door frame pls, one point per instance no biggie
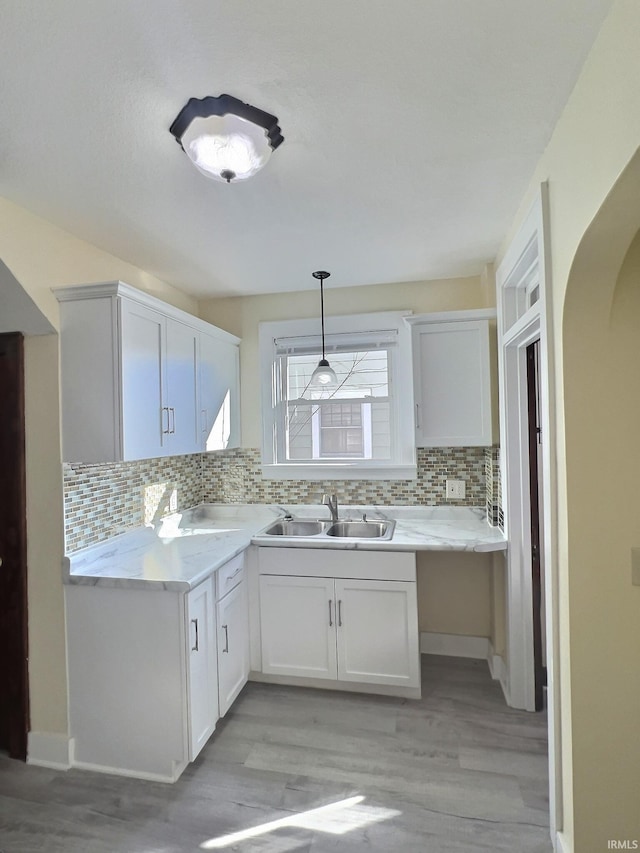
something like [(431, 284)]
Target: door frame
[(522, 321), (15, 557)]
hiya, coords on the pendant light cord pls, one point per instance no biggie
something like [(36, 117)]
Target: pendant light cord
[(322, 314)]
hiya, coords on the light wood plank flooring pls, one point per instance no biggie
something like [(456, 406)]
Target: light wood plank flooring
[(455, 771)]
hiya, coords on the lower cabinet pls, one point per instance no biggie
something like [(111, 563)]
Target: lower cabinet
[(232, 613), (202, 670), (351, 629)]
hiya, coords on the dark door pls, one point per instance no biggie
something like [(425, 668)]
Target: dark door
[(14, 687), (535, 439)]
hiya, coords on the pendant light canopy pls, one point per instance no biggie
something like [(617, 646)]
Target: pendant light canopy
[(323, 376), (224, 138)]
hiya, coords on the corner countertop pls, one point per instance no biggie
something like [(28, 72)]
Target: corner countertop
[(182, 550)]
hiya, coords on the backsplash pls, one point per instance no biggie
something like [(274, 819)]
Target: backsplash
[(235, 477), (103, 500)]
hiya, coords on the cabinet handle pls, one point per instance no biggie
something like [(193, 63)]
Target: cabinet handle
[(330, 619), (203, 420), (226, 638), (195, 648), (417, 415), (165, 431), (339, 613), (173, 420)]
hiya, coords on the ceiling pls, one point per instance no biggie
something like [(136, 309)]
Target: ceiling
[(412, 129)]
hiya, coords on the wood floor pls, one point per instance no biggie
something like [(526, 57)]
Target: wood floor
[(455, 771)]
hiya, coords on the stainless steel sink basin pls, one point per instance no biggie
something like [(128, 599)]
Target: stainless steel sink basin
[(362, 529), (296, 527)]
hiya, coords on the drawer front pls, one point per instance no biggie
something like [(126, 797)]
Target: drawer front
[(338, 563), (229, 576)]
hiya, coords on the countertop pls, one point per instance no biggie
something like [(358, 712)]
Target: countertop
[(182, 550)]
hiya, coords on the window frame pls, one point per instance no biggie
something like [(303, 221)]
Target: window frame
[(403, 462)]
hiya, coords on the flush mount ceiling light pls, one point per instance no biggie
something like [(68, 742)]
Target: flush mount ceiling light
[(224, 138), (324, 375)]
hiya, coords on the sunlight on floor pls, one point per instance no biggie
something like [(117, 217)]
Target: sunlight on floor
[(335, 818)]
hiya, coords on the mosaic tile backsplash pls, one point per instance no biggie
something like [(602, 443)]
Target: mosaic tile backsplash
[(235, 477), (103, 500)]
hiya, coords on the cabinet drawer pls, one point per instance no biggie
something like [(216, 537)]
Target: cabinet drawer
[(229, 576)]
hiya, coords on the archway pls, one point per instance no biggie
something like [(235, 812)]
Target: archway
[(600, 613)]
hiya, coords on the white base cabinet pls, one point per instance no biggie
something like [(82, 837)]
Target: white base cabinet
[(143, 690), (345, 626), (232, 612)]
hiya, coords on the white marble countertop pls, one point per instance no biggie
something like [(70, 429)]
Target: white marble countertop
[(183, 549)]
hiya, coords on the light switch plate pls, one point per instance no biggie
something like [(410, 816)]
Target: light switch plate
[(635, 566), (456, 489)]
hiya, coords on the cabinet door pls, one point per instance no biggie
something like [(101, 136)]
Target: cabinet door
[(298, 626), (219, 393), (181, 361), (452, 384), (377, 624), (143, 426), (202, 669), (233, 645)]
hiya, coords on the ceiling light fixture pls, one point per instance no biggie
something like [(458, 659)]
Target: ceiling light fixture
[(323, 375), (224, 138)]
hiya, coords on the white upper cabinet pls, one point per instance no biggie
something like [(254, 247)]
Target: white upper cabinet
[(452, 379), (219, 393), (142, 379)]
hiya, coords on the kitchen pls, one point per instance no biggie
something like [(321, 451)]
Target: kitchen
[(586, 162)]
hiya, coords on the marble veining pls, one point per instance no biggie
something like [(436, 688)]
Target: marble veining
[(183, 549)]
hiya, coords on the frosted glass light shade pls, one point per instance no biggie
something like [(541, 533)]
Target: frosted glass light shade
[(226, 147), (324, 374)]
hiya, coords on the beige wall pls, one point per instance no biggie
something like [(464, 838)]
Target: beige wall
[(241, 316), (594, 140), (42, 256), (454, 593)]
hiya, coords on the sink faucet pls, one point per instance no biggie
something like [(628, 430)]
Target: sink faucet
[(332, 502)]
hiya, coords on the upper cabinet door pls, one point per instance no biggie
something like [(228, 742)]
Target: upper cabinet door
[(452, 384), (145, 421), (181, 400), (219, 393)]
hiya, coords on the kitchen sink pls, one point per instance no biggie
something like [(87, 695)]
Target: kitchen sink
[(296, 527), (302, 528), (362, 529)]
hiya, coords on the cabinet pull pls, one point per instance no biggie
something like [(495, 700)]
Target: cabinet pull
[(417, 415), (226, 638), (165, 431), (173, 420), (195, 648), (203, 420), (339, 613), (330, 619)]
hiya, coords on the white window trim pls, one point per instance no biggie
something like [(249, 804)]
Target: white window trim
[(404, 467)]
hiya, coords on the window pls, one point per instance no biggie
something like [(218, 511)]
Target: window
[(363, 427)]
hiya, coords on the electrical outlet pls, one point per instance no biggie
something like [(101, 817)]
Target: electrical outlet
[(455, 489)]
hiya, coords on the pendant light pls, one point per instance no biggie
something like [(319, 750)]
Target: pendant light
[(324, 375)]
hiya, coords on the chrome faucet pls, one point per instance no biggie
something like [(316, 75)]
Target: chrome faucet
[(332, 502)]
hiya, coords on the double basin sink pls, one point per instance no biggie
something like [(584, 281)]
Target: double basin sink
[(341, 529)]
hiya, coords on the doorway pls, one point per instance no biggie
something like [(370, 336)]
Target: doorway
[(14, 696)]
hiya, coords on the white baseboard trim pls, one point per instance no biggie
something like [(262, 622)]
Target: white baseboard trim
[(46, 749), (171, 777), (560, 846), (498, 670), (454, 645)]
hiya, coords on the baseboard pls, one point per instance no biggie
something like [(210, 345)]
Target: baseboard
[(46, 749), (343, 686), (133, 774), (454, 645), (560, 846)]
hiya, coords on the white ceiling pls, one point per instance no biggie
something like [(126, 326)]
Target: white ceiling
[(412, 128)]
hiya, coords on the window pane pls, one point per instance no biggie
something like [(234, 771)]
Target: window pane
[(360, 374)]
